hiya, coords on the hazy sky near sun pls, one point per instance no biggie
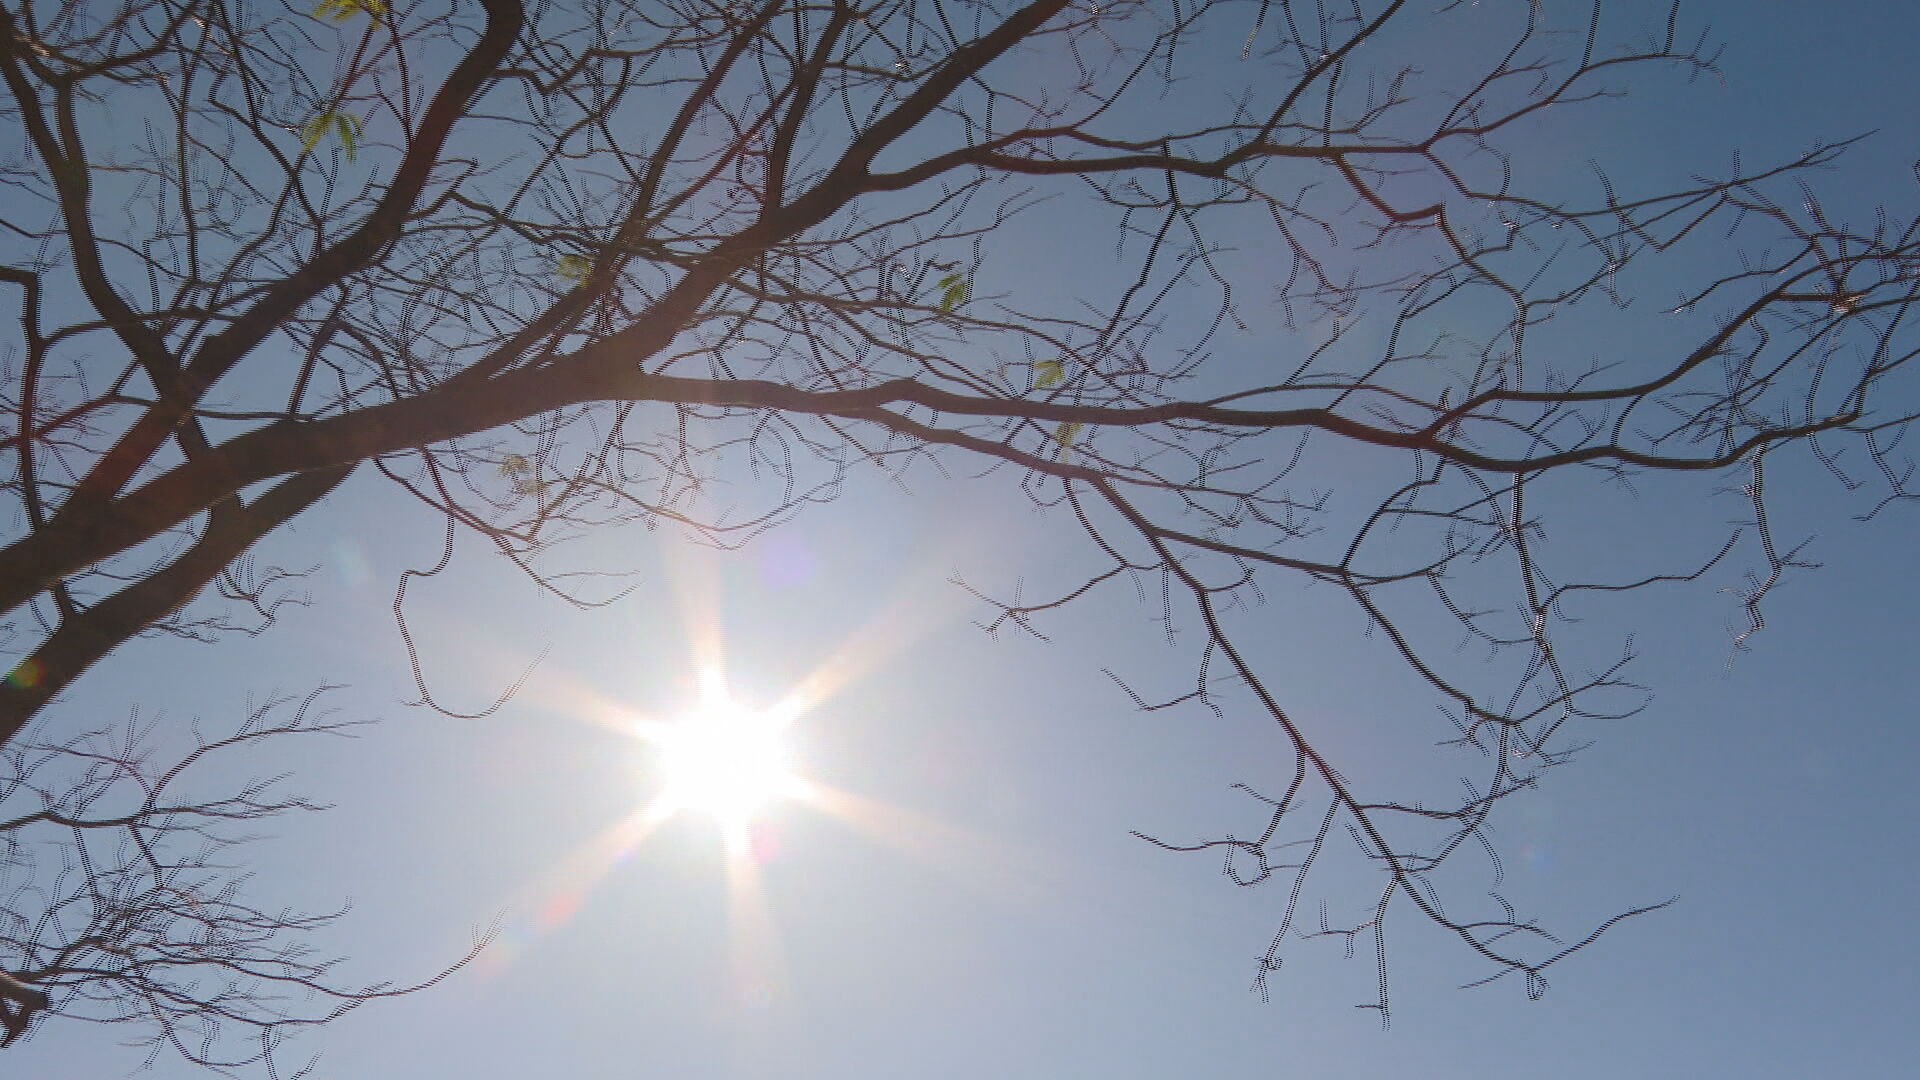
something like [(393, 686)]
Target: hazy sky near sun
[(977, 907)]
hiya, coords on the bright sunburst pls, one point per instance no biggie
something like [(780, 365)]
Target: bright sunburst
[(726, 760)]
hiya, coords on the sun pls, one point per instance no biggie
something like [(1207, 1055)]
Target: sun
[(727, 761)]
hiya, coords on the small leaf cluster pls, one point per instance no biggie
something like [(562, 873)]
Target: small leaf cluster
[(340, 11), (521, 474), (345, 126)]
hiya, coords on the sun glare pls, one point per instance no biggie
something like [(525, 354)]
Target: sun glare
[(727, 761)]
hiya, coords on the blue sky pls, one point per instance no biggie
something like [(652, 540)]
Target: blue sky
[(994, 917)]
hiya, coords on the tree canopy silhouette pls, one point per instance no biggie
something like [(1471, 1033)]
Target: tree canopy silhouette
[(1255, 295), (128, 904)]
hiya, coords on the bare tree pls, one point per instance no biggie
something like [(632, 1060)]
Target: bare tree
[(1305, 311), (126, 903)]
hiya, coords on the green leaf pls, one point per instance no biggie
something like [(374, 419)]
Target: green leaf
[(341, 10), (954, 291), (574, 268), (1048, 374), (349, 129), (344, 126), (312, 130)]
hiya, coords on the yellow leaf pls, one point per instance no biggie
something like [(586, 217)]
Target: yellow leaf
[(574, 268), (1048, 374), (342, 125), (341, 10), (312, 130), (348, 128)]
